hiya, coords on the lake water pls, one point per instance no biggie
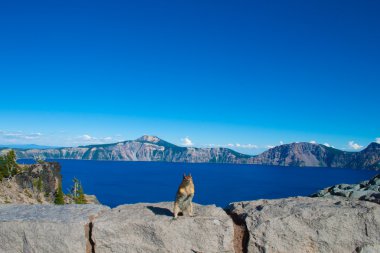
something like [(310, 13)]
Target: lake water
[(116, 183)]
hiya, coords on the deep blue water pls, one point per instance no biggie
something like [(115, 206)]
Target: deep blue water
[(116, 183)]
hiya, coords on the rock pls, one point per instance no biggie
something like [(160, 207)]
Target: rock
[(368, 190), (91, 199), (309, 224), (148, 228), (339, 192), (345, 186), (361, 194), (35, 184), (46, 228), (369, 249)]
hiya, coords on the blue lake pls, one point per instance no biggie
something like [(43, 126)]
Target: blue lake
[(116, 183)]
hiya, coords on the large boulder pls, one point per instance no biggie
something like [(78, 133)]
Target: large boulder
[(46, 228), (309, 225), (145, 228)]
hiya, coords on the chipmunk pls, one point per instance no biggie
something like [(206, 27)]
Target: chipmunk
[(184, 196)]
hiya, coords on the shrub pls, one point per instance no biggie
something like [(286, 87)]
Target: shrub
[(59, 200)]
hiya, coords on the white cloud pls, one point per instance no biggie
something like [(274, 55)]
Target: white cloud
[(281, 143), (237, 145), (354, 145), (377, 140), (249, 146), (313, 142), (19, 135), (270, 146), (326, 144), (186, 141), (88, 139)]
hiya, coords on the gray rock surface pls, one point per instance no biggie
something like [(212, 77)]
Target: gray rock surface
[(46, 228), (310, 225), (145, 228), (368, 190)]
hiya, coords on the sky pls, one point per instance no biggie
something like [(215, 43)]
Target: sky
[(247, 75)]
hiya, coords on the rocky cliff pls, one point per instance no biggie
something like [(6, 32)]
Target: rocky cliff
[(36, 183), (151, 148), (317, 155), (146, 148)]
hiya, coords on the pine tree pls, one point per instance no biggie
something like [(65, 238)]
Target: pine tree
[(59, 196), (8, 165)]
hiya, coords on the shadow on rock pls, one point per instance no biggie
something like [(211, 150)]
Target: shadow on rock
[(160, 210)]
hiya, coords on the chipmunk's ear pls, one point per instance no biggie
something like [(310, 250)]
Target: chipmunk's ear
[(184, 175), (190, 175)]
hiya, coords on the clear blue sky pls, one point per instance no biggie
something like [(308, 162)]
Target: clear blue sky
[(216, 72)]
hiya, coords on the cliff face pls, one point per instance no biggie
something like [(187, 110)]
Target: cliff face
[(146, 148), (152, 148), (308, 154), (36, 184)]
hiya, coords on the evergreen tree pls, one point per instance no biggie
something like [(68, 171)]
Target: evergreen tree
[(8, 165), (39, 184), (59, 196)]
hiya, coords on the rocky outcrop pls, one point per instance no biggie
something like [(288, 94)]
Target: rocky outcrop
[(36, 183), (47, 228), (284, 225), (151, 228), (152, 148), (367, 190), (309, 225), (128, 228)]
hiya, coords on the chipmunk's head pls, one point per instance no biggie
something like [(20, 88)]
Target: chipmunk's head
[(188, 178)]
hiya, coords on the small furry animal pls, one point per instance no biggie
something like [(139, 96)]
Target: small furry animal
[(184, 196)]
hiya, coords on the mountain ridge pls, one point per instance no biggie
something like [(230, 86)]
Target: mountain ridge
[(152, 148)]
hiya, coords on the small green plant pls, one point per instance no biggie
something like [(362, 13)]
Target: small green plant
[(39, 184), (7, 201), (59, 199), (27, 193)]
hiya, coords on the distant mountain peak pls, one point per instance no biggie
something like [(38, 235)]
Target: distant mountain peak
[(373, 146), (149, 138)]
